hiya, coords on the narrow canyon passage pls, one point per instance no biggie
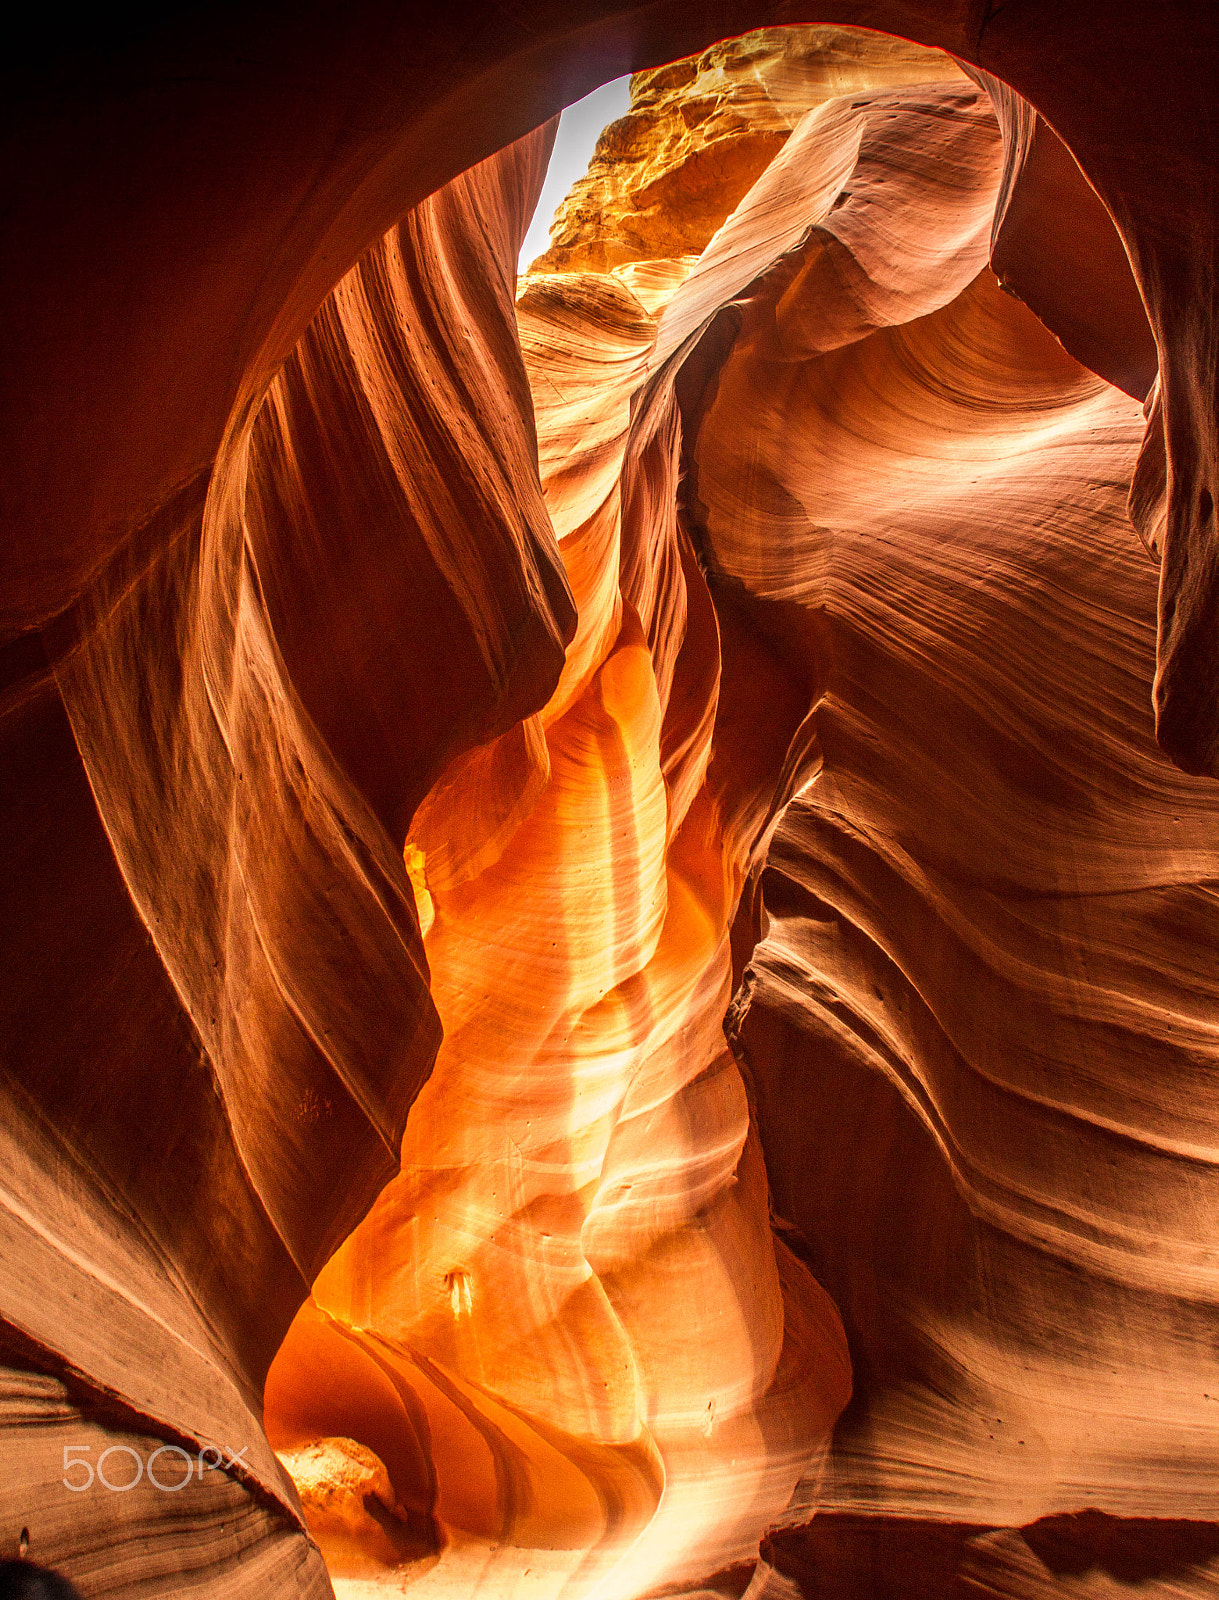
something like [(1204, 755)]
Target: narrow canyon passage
[(821, 491), (683, 983)]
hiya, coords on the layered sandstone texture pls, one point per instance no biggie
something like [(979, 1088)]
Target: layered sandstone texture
[(607, 990), (842, 521)]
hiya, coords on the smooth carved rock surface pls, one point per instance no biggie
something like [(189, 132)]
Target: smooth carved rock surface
[(963, 908), (254, 908), (877, 447), (581, 1186), (817, 654)]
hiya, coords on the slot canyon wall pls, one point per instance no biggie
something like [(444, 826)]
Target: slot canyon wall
[(597, 933)]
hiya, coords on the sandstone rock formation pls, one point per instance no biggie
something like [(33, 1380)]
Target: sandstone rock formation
[(393, 814), (256, 913), (701, 131), (843, 332)]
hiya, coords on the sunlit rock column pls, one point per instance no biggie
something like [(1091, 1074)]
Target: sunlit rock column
[(572, 1290)]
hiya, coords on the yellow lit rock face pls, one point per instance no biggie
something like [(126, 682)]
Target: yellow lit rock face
[(593, 1340), (573, 1290), (701, 131)]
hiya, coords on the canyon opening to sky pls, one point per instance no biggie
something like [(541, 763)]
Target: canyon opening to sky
[(611, 892)]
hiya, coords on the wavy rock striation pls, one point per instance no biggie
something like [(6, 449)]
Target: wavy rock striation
[(424, 749), (961, 910), (256, 913), (844, 521)]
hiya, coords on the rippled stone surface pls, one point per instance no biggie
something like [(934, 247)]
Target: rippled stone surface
[(374, 797)]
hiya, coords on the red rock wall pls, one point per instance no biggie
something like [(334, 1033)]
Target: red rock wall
[(985, 917), (187, 788), (867, 522)]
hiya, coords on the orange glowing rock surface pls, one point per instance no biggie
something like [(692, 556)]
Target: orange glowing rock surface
[(574, 1279), (597, 936), (597, 1343)]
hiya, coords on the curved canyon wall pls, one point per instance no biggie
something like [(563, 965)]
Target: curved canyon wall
[(749, 620)]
